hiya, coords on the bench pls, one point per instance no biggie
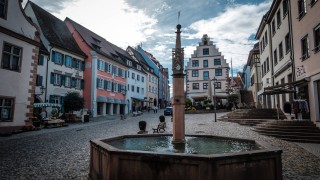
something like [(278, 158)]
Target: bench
[(160, 129)]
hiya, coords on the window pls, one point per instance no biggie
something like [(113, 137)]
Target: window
[(11, 57), (316, 32), (109, 68), (132, 88), (149, 89), (265, 67), (153, 90), (285, 7), (115, 70), (6, 108), (275, 57), (142, 90), (205, 75), (195, 85), (267, 64), (205, 85), (142, 79), (273, 27), (278, 18), (149, 78), (313, 2), (41, 60), (262, 69), (302, 9), (115, 87), (138, 67), (195, 73), (99, 83), (195, 63), (266, 37), (54, 99), (68, 61), (218, 72), (138, 89), (138, 77), (205, 63), (217, 62), (101, 65), (218, 85), (288, 44), (263, 42), (67, 81), (305, 47), (56, 79), (205, 51), (57, 57), (133, 76), (129, 63), (252, 80), (39, 80), (3, 9), (280, 51)]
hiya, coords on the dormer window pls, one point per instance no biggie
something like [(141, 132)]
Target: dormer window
[(96, 47), (97, 41), (138, 67), (129, 63)]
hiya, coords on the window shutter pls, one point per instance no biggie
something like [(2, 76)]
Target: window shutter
[(52, 78), (63, 77), (41, 60), (40, 80), (105, 85), (62, 58), (97, 82), (82, 65), (73, 82), (73, 62), (53, 55), (82, 84)]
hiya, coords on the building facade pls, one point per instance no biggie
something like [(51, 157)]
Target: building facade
[(19, 43), (255, 73), (205, 64), (136, 83), (105, 72), (306, 46), (65, 65)]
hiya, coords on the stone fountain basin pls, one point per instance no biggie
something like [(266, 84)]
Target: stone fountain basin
[(108, 162)]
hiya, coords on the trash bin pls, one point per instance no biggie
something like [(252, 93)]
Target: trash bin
[(86, 118)]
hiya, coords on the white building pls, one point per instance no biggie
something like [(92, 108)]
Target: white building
[(65, 67), (205, 64), (19, 43), (136, 83), (276, 58)]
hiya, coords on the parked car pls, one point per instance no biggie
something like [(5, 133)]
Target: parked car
[(168, 111)]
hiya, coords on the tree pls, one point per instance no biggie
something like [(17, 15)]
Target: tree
[(73, 101), (188, 102), (233, 99)]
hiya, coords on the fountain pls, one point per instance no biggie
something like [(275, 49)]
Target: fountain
[(178, 156)]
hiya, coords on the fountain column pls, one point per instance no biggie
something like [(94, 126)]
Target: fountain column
[(178, 91)]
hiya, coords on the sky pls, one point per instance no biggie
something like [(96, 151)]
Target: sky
[(231, 24)]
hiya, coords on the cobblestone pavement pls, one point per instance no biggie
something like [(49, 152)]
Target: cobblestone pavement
[(63, 153)]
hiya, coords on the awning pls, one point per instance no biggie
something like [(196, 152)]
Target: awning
[(46, 105), (138, 99), (284, 88)]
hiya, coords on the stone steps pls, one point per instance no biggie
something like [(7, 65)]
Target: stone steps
[(297, 131)]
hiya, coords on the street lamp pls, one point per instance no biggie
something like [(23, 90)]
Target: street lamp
[(214, 97)]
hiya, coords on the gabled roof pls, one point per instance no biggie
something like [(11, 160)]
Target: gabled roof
[(141, 60), (100, 45), (55, 30)]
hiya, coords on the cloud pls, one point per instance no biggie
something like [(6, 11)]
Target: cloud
[(55, 6), (232, 30)]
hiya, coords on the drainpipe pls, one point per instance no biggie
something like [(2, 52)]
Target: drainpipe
[(271, 59), (291, 44), (47, 69)]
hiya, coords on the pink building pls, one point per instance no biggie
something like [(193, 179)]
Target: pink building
[(104, 74), (306, 45)]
